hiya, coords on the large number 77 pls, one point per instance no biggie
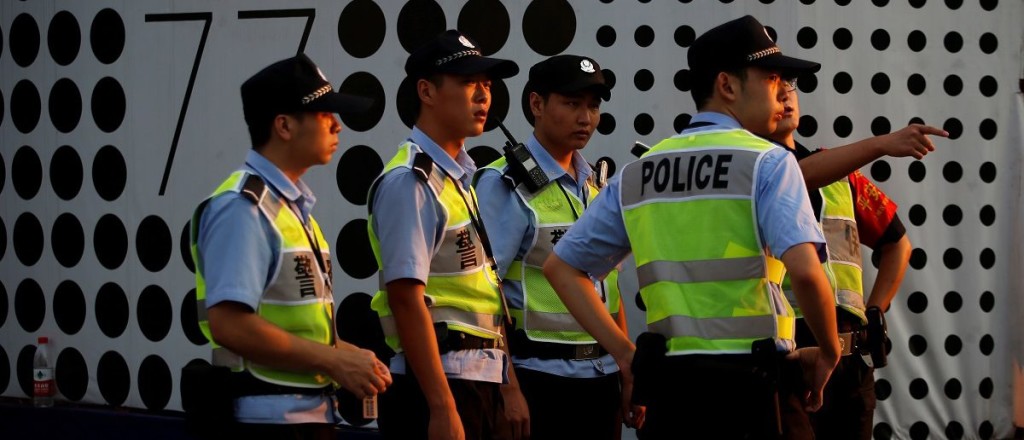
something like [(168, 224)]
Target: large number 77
[(207, 19)]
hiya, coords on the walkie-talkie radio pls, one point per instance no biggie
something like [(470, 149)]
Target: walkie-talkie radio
[(639, 148), (601, 169), (522, 167)]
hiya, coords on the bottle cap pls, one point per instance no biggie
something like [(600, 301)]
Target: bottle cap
[(44, 340)]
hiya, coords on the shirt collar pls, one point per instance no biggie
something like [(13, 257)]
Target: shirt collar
[(460, 168), (297, 192), (551, 168), (719, 119)]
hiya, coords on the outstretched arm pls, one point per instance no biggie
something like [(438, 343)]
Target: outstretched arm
[(832, 164)]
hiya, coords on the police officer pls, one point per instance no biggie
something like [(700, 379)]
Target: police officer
[(439, 302), (853, 211), (708, 215), (263, 279), (569, 381)]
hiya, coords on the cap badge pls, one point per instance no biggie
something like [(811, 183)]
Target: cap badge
[(465, 42), (587, 66), (321, 74), (768, 35)]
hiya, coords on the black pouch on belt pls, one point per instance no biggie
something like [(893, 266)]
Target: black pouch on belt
[(766, 370), (647, 366), (207, 398), (877, 337)]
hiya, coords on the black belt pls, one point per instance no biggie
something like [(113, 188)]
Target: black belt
[(454, 340), (244, 384), (851, 333), (523, 347)]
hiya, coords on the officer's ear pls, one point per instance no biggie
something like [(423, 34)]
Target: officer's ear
[(727, 86), (537, 103), (284, 126), (426, 88)]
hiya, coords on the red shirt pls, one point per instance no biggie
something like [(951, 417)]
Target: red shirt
[(875, 212)]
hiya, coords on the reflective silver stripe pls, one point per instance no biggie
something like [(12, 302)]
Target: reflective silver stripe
[(552, 322), (436, 181), (737, 327), (700, 271), (225, 358), (555, 322), (460, 252), (683, 174), (484, 321), (201, 313), (271, 205), (547, 237), (843, 240), (850, 298)]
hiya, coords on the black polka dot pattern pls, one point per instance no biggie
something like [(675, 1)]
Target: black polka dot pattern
[(110, 241), (113, 378), (154, 381), (111, 310), (357, 258), (72, 374), (93, 261), (363, 84), (64, 38), (154, 313), (418, 21), (26, 106), (538, 32), (357, 169), (185, 247), (190, 320), (361, 28), (25, 38), (107, 36), (26, 172), (28, 239), (66, 172), (29, 305), (109, 173), (69, 307), (487, 22), (68, 240), (65, 105), (153, 243)]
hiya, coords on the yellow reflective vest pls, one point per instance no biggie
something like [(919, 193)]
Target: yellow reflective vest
[(843, 267), (298, 298), (708, 281), (544, 316), (462, 289)]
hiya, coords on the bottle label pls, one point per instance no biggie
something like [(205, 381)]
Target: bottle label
[(43, 385)]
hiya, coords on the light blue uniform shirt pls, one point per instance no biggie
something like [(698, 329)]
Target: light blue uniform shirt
[(598, 241), (409, 223), (239, 252), (511, 227)]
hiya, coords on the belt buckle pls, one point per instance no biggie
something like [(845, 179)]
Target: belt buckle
[(846, 343), (586, 351)]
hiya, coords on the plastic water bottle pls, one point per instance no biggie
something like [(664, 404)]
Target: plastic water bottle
[(43, 387)]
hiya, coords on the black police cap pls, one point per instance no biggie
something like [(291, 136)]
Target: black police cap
[(740, 43), (294, 85), (566, 74), (452, 52)]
